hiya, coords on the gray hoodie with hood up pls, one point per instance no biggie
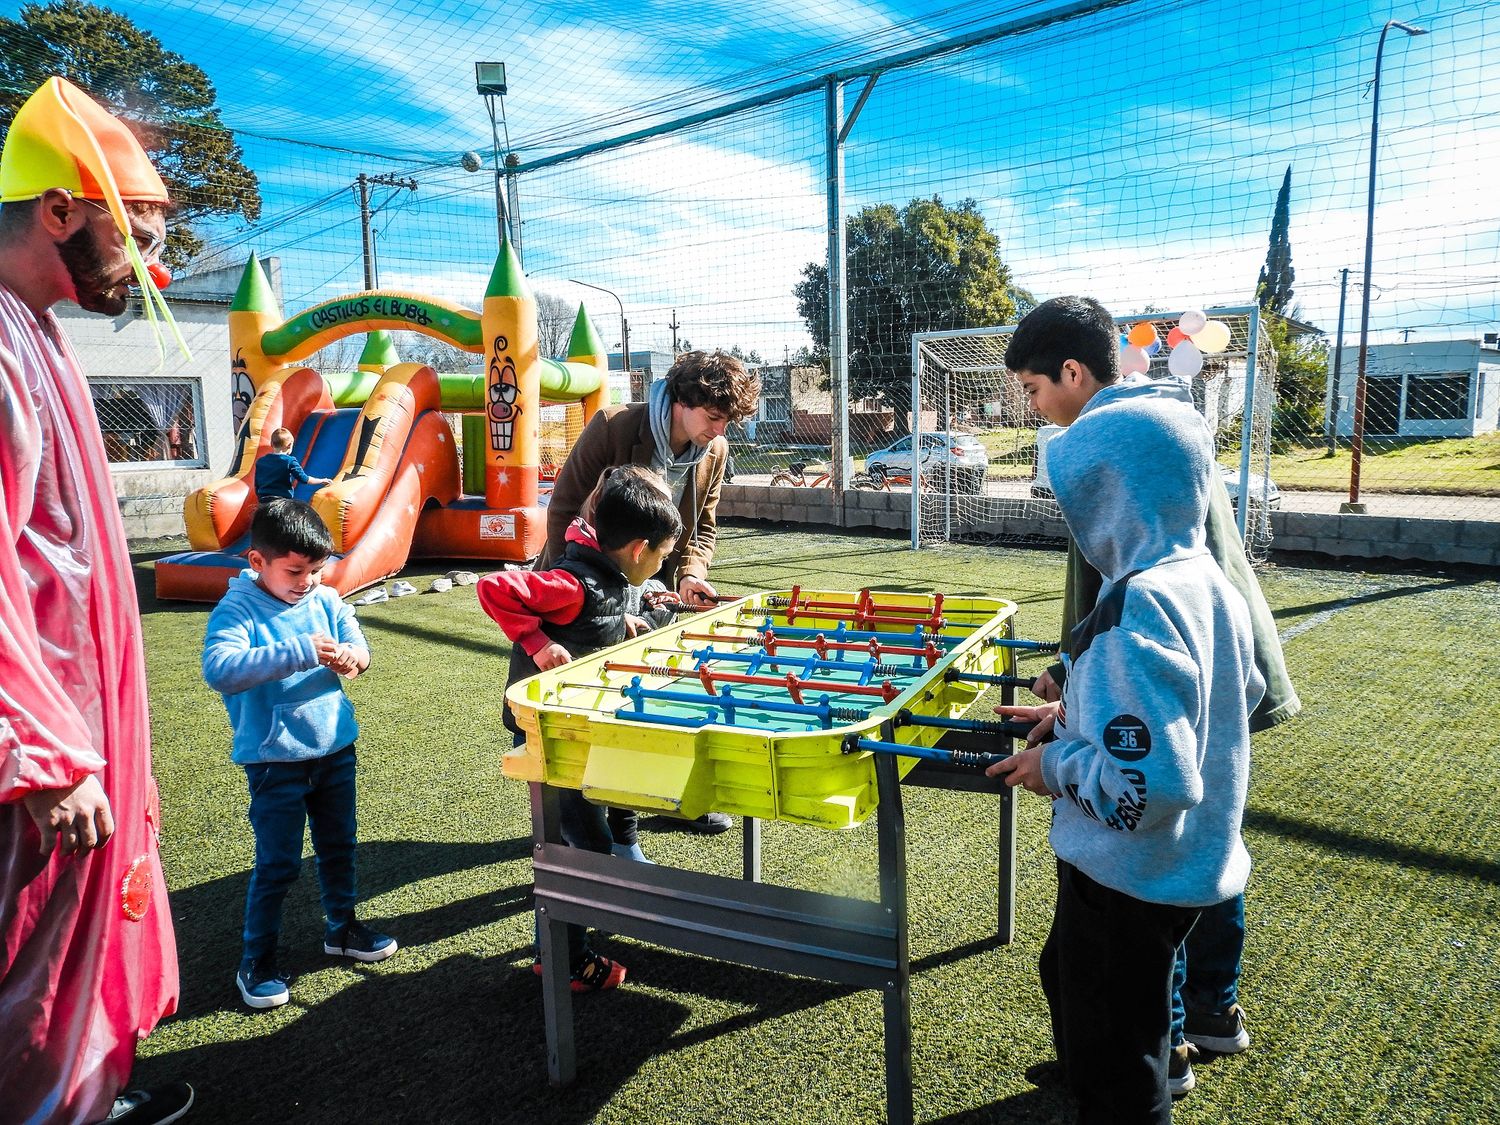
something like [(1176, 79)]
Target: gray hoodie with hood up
[(1152, 754)]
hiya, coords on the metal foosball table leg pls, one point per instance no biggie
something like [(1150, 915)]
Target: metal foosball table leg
[(896, 997), (552, 946), (752, 849)]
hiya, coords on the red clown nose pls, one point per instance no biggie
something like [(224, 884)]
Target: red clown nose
[(161, 277)]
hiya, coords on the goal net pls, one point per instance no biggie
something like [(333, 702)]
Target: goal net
[(962, 394)]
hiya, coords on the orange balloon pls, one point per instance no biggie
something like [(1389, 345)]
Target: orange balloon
[(1143, 334)]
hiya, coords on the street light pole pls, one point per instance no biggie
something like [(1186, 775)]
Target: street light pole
[(1358, 444), (624, 324), (490, 83)]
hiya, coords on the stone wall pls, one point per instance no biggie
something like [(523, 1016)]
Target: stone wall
[(1470, 542)]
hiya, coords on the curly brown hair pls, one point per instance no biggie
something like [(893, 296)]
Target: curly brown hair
[(715, 380)]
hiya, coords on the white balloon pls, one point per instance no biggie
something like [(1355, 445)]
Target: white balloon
[(1134, 360), (1186, 360), (1191, 322), (1213, 336)]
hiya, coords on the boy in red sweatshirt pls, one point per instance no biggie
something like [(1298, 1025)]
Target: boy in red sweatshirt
[(588, 600)]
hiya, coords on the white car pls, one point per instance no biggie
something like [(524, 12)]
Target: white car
[(960, 452)]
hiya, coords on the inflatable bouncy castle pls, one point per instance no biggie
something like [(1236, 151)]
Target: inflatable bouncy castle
[(406, 483)]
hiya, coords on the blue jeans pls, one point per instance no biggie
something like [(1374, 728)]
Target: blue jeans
[(284, 798), (1207, 975)]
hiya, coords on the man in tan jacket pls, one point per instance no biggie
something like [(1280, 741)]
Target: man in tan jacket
[(678, 433)]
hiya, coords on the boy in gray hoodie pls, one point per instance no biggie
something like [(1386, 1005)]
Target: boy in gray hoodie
[(276, 646), (1080, 329), (1150, 763)]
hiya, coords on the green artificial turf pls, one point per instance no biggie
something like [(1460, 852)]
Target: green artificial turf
[(1371, 977)]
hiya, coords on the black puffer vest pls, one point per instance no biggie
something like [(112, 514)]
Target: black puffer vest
[(599, 624)]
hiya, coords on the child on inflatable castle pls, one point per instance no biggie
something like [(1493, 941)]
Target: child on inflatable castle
[(277, 473), (276, 646), (590, 599)]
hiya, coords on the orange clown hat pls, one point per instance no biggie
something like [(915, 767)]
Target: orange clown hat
[(62, 138)]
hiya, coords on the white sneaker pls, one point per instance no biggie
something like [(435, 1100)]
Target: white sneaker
[(374, 597), (401, 589)]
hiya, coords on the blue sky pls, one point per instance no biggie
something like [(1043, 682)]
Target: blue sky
[(1134, 154)]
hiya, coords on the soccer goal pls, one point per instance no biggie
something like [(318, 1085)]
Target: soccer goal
[(961, 392)]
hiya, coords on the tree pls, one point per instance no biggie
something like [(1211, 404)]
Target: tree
[(167, 101), (750, 357), (554, 324), (923, 268), (1273, 290), (1301, 359)]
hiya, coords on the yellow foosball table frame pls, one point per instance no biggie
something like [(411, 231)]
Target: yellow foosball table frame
[(809, 707)]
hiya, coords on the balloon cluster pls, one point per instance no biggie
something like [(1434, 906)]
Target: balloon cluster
[(1194, 337)]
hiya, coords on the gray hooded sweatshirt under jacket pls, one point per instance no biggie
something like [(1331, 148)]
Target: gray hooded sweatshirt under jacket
[(1152, 754)]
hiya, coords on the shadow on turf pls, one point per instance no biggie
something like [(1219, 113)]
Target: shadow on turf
[(462, 1040), (208, 916), (1372, 847), (1381, 595)]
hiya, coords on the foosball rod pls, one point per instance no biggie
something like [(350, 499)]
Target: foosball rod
[(971, 758), (770, 640), (808, 664), (794, 685), (822, 712), (1000, 728), (981, 678), (842, 633), (1029, 646)]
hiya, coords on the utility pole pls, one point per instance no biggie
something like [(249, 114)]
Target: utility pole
[(363, 184), (674, 326)]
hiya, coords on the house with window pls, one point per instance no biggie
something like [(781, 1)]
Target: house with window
[(1421, 389), (168, 422)]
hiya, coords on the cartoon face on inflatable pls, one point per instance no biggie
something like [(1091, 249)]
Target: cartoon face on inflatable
[(503, 413)]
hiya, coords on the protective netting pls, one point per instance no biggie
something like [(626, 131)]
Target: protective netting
[(982, 460), (1135, 152)]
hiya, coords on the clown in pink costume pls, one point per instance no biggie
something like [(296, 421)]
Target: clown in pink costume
[(88, 963)]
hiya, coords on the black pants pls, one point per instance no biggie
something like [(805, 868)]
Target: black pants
[(587, 826), (1107, 971)]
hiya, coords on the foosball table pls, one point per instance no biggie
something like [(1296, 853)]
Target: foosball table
[(810, 707)]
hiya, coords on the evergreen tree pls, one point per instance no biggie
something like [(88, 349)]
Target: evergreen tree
[(167, 101), (1273, 291)]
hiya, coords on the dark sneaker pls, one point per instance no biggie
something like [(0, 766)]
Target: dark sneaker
[(710, 824), (156, 1106), (357, 940), (261, 986), (1180, 1077), (1224, 1034), (592, 973)]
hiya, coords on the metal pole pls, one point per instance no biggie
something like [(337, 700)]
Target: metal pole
[(513, 204), (362, 182), (500, 217), (1357, 446), (1338, 362), (1247, 430), (838, 356)]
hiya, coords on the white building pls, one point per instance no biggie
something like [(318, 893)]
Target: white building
[(1433, 388), (167, 422)]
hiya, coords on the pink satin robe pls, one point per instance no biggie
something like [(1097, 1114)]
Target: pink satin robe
[(88, 963)]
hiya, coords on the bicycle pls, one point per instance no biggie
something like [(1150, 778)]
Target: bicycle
[(796, 474)]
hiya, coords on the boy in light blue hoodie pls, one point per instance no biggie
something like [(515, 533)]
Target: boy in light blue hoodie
[(276, 646), (1150, 764)]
